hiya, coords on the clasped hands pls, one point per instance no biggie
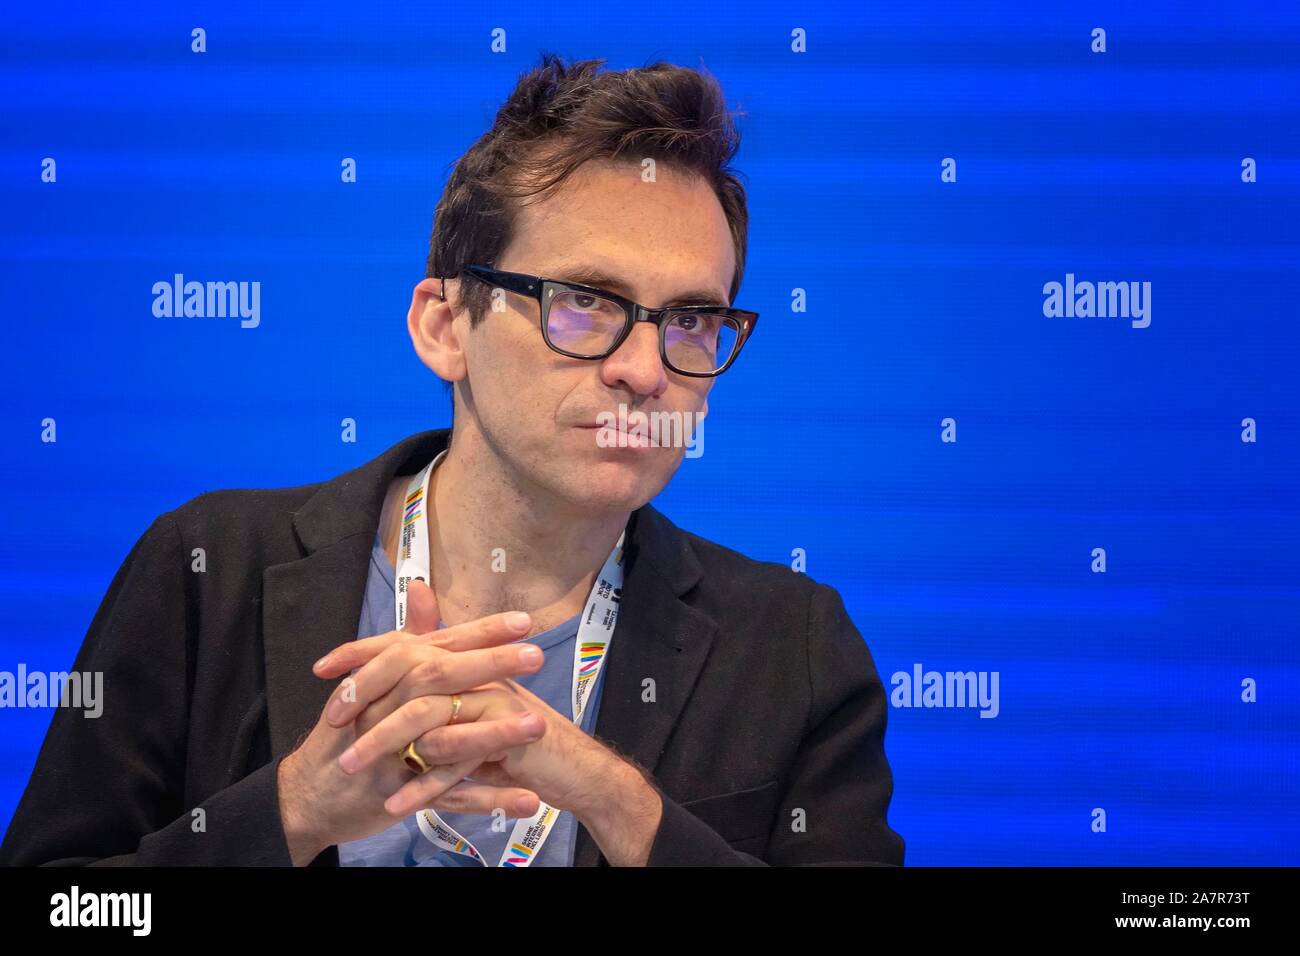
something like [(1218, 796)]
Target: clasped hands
[(508, 751)]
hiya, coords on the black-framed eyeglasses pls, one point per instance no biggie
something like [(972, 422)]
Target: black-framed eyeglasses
[(583, 322)]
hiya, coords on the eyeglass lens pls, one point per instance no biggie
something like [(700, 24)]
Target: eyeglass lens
[(587, 325)]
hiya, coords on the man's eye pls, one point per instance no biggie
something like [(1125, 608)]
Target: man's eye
[(690, 322), (590, 303)]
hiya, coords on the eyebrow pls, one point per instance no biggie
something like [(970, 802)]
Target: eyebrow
[(589, 275)]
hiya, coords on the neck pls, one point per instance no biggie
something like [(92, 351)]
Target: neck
[(498, 544)]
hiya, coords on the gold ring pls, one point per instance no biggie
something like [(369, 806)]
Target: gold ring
[(408, 754), (413, 760)]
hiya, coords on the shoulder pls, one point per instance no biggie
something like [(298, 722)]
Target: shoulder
[(792, 619), (782, 628), (259, 521), (771, 589), (729, 569)]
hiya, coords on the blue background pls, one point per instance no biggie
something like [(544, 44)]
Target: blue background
[(1118, 690)]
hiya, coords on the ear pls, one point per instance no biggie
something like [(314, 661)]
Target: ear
[(435, 332)]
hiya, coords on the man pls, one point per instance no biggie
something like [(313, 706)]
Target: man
[(346, 681)]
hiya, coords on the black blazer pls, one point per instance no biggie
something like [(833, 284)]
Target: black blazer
[(768, 701)]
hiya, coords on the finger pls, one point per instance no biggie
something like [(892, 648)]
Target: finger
[(467, 797), (421, 624), (406, 671), (433, 784), (490, 631), (484, 631), (353, 654), (424, 720), (421, 608), (480, 739), (506, 701), (447, 672), (422, 792), (492, 773)]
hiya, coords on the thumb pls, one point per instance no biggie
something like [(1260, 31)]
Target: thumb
[(421, 609)]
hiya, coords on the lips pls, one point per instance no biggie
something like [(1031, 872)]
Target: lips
[(624, 438)]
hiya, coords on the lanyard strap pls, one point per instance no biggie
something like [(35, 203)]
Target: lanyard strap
[(590, 650)]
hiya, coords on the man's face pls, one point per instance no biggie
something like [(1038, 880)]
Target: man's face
[(657, 243)]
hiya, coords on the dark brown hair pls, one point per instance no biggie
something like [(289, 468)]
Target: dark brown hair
[(560, 116)]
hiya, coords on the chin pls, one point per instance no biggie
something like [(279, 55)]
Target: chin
[(617, 485)]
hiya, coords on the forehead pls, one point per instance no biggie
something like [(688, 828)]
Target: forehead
[(670, 230)]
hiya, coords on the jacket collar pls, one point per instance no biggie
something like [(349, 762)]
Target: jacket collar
[(313, 604)]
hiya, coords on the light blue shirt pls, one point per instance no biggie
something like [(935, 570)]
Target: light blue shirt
[(403, 844)]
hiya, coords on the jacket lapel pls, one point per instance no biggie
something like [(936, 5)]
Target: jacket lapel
[(313, 604), (658, 636)]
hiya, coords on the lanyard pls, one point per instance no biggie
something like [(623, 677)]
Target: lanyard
[(590, 649)]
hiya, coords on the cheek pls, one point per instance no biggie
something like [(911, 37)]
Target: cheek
[(692, 397), (504, 374), (521, 400)]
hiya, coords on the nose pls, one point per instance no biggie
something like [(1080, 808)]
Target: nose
[(636, 364)]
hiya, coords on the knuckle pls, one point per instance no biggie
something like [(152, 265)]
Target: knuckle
[(435, 747), (428, 710), (455, 800), (413, 717), (384, 659), (434, 669), (397, 653)]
